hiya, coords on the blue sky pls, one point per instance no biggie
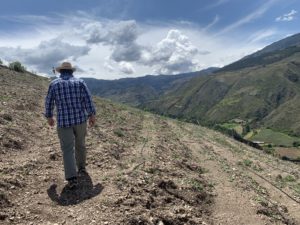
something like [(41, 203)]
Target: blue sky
[(111, 39)]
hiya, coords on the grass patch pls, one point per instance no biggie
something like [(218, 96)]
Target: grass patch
[(233, 126), (283, 181), (289, 178), (197, 185), (4, 98), (249, 135), (297, 188), (269, 150), (276, 138), (247, 162), (119, 133)]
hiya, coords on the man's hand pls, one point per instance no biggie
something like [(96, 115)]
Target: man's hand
[(92, 120), (51, 121)]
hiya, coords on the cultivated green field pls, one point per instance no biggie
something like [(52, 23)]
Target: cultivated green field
[(273, 137), (234, 126)]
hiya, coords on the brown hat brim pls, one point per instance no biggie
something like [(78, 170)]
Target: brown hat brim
[(65, 68)]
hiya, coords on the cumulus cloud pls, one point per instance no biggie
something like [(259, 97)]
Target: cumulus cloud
[(126, 67), (45, 55), (288, 16), (123, 32), (120, 36), (174, 54), (121, 67), (127, 53)]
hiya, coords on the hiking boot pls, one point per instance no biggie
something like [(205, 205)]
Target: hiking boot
[(72, 183), (82, 171)]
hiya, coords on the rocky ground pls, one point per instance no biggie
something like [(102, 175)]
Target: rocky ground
[(142, 169)]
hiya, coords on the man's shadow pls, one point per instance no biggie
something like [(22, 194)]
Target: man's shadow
[(85, 190)]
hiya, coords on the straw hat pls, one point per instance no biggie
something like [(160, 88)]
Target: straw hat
[(65, 66)]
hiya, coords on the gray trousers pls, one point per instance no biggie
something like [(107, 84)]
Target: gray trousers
[(69, 137)]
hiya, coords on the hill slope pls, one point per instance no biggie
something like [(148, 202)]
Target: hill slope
[(143, 169), (263, 94), (291, 41), (140, 90)]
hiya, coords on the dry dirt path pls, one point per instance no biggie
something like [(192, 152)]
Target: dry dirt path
[(242, 176)]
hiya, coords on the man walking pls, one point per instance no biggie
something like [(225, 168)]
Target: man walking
[(74, 107)]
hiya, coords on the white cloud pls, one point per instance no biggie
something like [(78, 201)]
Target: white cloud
[(216, 3), (109, 49), (45, 55), (210, 25), (262, 35), (288, 16), (250, 17), (126, 67), (120, 33), (121, 36), (173, 54)]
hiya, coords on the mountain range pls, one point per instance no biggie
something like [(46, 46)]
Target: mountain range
[(261, 89), (141, 90)]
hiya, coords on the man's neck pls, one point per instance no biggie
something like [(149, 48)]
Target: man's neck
[(66, 75)]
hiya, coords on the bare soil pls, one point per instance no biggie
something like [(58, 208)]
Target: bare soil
[(142, 169), (290, 153)]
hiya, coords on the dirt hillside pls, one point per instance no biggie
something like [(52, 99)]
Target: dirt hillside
[(143, 169)]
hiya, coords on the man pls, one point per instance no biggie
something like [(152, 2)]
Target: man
[(74, 107)]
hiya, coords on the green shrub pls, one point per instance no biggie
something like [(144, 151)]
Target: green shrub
[(296, 143), (289, 178), (247, 162), (119, 133), (17, 66)]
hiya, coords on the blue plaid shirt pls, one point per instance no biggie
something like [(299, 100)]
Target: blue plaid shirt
[(72, 99)]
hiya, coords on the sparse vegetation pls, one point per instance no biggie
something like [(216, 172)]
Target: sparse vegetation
[(17, 66), (296, 144), (289, 178), (119, 133), (269, 149), (247, 162)]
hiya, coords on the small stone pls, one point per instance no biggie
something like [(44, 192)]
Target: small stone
[(53, 156)]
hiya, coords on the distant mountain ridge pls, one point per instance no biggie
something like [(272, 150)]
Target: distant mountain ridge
[(138, 91), (284, 48), (293, 40), (262, 89)]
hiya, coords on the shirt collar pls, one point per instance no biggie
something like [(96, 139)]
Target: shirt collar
[(65, 76)]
